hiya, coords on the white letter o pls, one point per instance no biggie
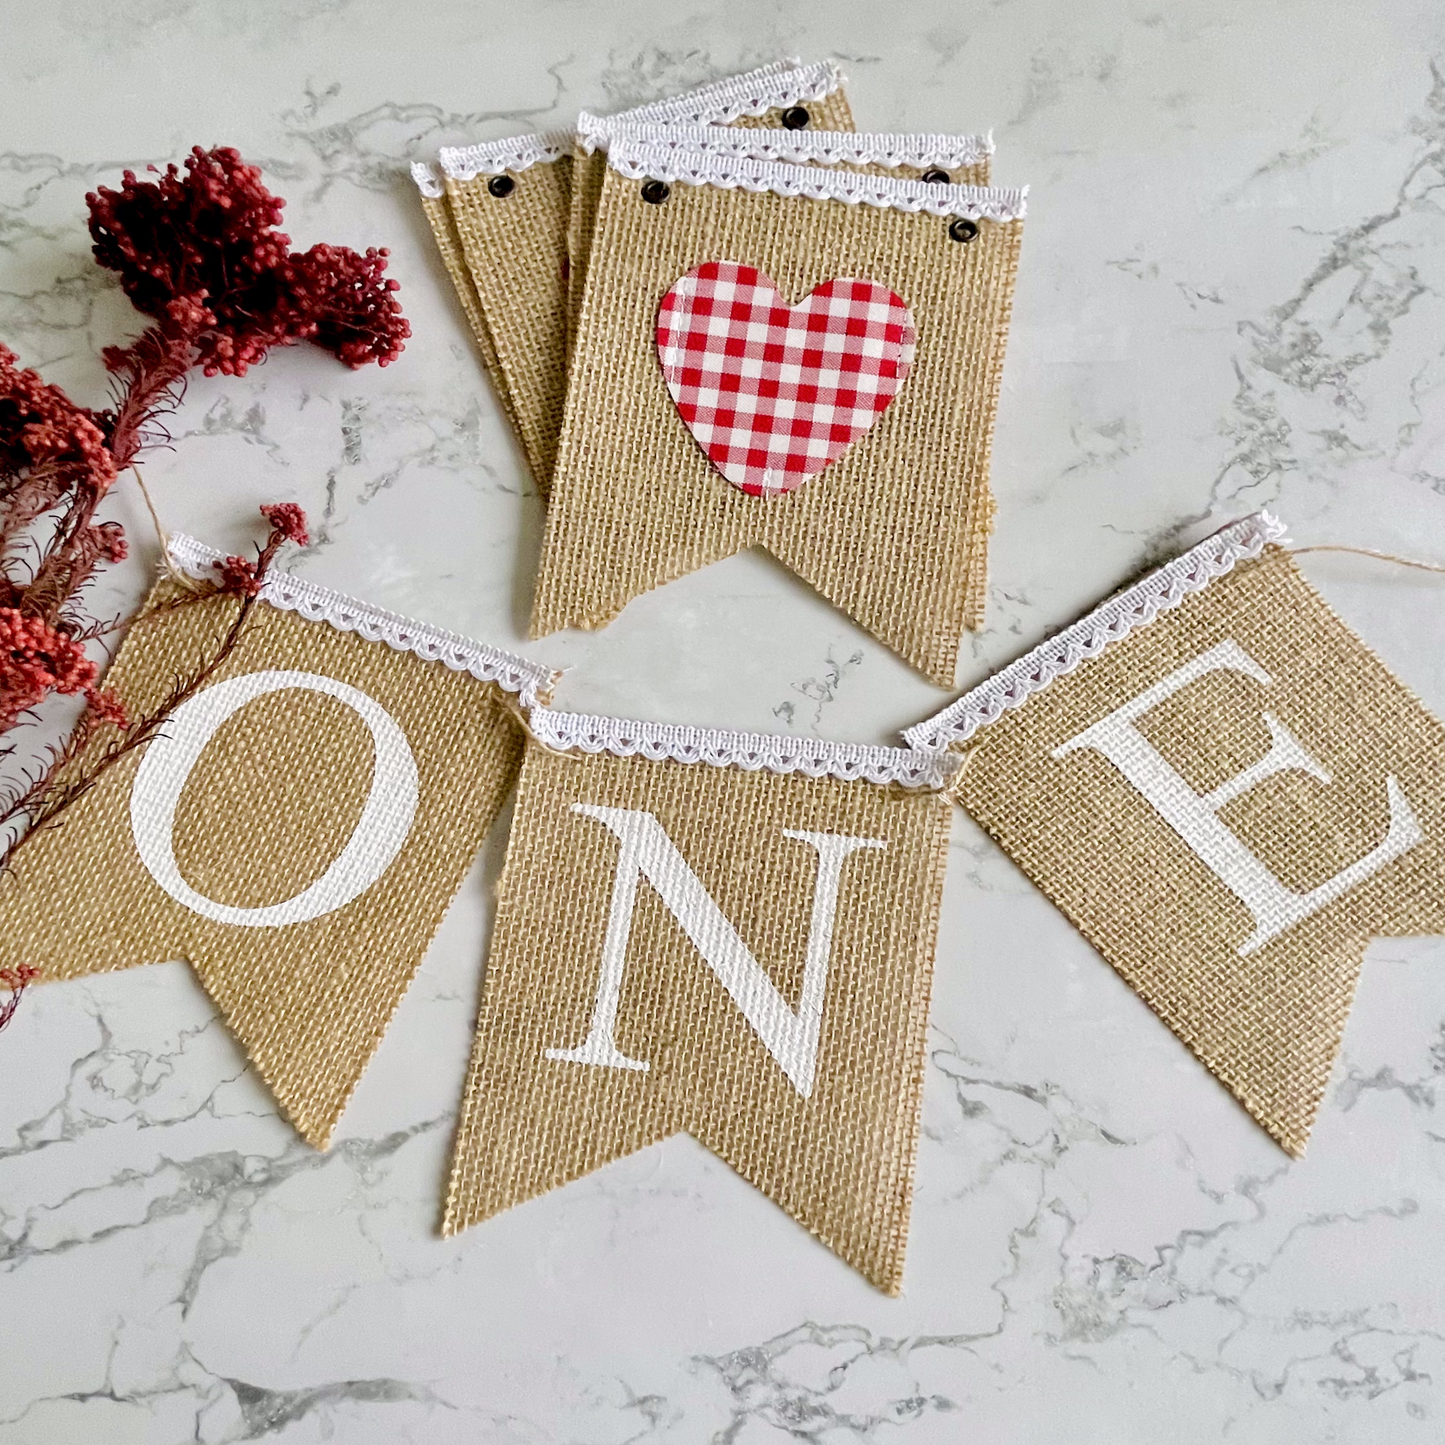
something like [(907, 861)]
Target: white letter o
[(377, 838)]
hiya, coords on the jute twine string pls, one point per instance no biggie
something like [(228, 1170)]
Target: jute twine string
[(163, 537), (1368, 552)]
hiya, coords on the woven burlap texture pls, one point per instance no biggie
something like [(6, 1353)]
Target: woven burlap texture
[(515, 248), (272, 800), (449, 245), (832, 112), (895, 532), (1267, 1024), (840, 1162)]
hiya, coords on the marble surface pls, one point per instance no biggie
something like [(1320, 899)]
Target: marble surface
[(1232, 295)]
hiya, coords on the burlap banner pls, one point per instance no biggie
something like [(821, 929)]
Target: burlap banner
[(296, 833), (1229, 795), (500, 220), (727, 935), (782, 97), (799, 357), (512, 223)]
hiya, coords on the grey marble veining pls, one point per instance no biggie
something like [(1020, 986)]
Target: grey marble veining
[(1232, 295)]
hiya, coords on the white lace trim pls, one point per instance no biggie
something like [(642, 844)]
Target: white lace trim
[(782, 83), (638, 161), (531, 681), (826, 147), (427, 179), (492, 157), (850, 762), (1135, 607)]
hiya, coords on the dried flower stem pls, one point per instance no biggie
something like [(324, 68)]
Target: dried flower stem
[(43, 802)]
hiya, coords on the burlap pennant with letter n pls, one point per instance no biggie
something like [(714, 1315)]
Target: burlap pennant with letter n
[(804, 358), (297, 831), (728, 935), (1229, 795)]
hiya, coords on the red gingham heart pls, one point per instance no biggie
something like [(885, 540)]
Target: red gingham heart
[(773, 392)]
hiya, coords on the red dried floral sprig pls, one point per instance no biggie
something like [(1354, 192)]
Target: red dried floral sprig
[(39, 801), (14, 980), (198, 251)]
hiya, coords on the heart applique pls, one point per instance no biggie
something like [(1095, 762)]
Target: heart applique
[(773, 393)]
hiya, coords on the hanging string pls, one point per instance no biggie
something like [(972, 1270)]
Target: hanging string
[(163, 537), (518, 714), (1367, 552)]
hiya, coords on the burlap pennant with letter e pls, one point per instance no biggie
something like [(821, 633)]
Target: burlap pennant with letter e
[(297, 831), (803, 358), (1229, 795), (728, 935)]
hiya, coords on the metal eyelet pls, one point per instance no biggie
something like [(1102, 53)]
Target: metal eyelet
[(963, 229), (655, 192), (936, 177), (796, 117), (501, 186)]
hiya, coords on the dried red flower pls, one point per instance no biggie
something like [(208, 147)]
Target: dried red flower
[(239, 576), (15, 980), (106, 707), (198, 251), (352, 308), (36, 660), (288, 519), (201, 254), (43, 432)]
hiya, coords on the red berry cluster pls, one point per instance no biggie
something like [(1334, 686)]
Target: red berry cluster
[(200, 252)]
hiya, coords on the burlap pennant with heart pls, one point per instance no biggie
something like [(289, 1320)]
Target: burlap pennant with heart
[(297, 831), (720, 934), (503, 216), (784, 98), (1229, 795), (850, 342)]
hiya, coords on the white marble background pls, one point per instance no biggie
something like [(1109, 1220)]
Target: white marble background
[(1233, 295)]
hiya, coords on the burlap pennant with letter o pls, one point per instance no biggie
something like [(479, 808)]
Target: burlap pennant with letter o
[(720, 934), (297, 831), (1229, 795), (798, 357)]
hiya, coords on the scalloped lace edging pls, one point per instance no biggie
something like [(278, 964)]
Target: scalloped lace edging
[(782, 83), (531, 681), (849, 762), (639, 161), (428, 180), (826, 147), (513, 153), (1134, 607)]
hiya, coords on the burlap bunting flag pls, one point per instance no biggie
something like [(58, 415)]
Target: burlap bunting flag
[(500, 220), (798, 357), (296, 833), (509, 218), (721, 934), (1229, 795), (784, 97)]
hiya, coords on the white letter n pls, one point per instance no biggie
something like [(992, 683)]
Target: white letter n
[(1195, 818), (646, 851)]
